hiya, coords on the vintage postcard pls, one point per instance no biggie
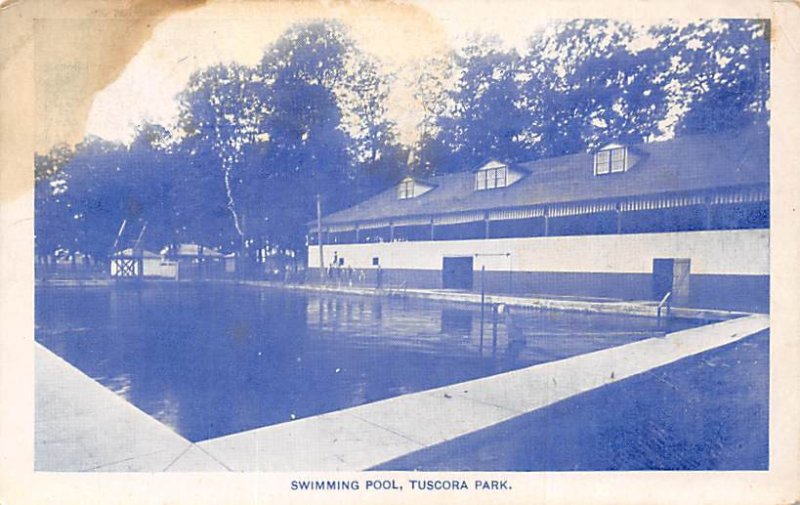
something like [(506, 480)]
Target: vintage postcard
[(384, 252)]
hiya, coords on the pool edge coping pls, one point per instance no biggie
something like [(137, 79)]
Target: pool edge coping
[(448, 391), (512, 301), (644, 308)]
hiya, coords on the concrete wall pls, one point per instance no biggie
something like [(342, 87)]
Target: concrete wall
[(726, 252), (729, 269)]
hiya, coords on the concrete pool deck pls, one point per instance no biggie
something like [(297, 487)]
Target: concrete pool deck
[(646, 308), (82, 426), (643, 308)]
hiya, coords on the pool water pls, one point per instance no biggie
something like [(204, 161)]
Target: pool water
[(211, 360)]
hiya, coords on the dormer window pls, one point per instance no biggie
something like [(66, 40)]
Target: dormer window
[(412, 188), (611, 159), (405, 189), (490, 176)]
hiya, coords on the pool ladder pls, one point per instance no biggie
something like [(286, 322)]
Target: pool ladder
[(400, 290), (664, 303)]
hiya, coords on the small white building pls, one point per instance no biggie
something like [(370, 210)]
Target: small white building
[(195, 261), (126, 263)]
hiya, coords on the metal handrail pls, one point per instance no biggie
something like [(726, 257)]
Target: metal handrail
[(398, 289), (664, 302)]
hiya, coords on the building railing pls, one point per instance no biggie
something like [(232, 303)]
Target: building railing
[(745, 209)]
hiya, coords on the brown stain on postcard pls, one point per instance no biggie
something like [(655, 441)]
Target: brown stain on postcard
[(79, 56), (54, 57), (79, 47)]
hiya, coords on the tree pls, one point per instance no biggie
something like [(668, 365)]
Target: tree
[(485, 118), (201, 211), (309, 119), (588, 85), (220, 111), (53, 223), (723, 70), (327, 130), (432, 92), (309, 151), (153, 171), (377, 155), (257, 145), (97, 195), (84, 194)]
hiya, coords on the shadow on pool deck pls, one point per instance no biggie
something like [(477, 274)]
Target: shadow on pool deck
[(705, 412)]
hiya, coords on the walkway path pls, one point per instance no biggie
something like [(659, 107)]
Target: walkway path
[(81, 425), (86, 432)]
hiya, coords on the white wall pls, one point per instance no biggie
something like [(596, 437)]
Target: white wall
[(741, 252), (153, 267), (160, 268)]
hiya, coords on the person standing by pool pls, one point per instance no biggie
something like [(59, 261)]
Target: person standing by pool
[(339, 271), (332, 266)]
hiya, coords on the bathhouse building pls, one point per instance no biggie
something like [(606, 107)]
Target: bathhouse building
[(688, 215), (195, 261), (134, 262)]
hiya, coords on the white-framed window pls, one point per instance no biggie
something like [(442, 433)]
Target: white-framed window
[(602, 162), (618, 159), (491, 178), (406, 189), (611, 160)]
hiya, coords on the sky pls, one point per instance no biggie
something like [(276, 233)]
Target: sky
[(400, 35)]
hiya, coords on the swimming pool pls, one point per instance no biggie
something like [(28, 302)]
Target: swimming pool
[(214, 359)]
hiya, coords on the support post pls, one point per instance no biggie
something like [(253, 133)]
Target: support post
[(319, 239), (494, 330), (201, 263), (483, 300), (546, 222), (510, 274)]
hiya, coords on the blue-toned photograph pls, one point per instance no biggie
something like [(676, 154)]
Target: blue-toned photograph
[(326, 247)]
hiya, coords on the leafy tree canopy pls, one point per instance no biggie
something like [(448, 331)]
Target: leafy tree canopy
[(256, 145)]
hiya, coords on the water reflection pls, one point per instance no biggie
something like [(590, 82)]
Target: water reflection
[(120, 384), (212, 360), (168, 412), (456, 322)]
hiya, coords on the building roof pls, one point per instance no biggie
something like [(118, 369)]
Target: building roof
[(193, 250), (130, 252), (689, 163)]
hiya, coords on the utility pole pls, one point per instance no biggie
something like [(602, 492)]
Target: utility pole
[(319, 238)]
